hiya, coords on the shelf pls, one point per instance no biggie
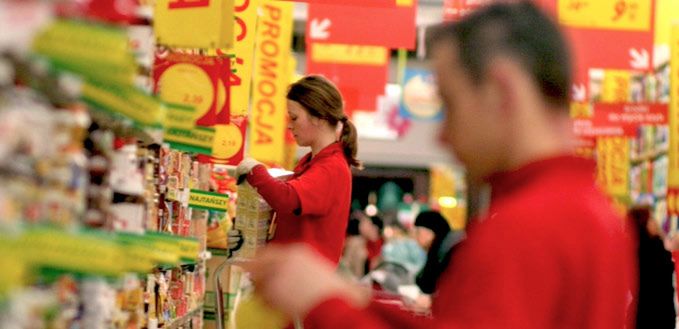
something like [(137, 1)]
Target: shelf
[(179, 322), (648, 156)]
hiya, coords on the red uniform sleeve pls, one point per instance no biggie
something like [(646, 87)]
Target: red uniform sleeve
[(280, 195), (312, 189), (337, 314)]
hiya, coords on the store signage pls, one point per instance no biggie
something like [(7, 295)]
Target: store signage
[(242, 56), (674, 110), (613, 165), (349, 54), (360, 3), (616, 86), (454, 10), (208, 200), (631, 15), (362, 25), (270, 82), (133, 104), (206, 24), (620, 119), (193, 80), (420, 96), (197, 140), (228, 144)]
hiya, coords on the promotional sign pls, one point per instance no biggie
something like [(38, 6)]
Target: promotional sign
[(205, 24), (361, 3), (616, 86), (420, 96), (228, 145), (674, 110), (454, 10), (208, 200), (362, 25), (270, 81), (633, 15), (360, 72), (608, 34), (193, 80), (242, 56), (620, 119), (613, 165)]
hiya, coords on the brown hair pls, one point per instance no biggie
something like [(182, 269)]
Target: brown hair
[(321, 99)]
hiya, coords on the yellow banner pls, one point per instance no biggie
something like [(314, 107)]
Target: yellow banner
[(666, 11), (194, 23), (349, 54), (243, 55), (208, 200), (613, 165), (616, 86), (673, 179), (632, 15), (271, 77)]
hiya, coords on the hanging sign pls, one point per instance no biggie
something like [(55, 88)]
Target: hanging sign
[(205, 24), (270, 81), (361, 26), (192, 80)]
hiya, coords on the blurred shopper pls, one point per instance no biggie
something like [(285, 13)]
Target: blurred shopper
[(355, 254), (371, 229), (551, 253), (431, 229), (402, 249), (313, 205), (655, 302)]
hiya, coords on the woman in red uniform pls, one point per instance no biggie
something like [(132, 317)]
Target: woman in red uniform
[(313, 205)]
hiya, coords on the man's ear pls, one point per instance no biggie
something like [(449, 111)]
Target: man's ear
[(503, 86)]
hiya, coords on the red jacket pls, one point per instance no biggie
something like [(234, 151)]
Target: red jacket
[(313, 205), (550, 254)]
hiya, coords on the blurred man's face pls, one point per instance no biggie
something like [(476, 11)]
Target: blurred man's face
[(467, 130)]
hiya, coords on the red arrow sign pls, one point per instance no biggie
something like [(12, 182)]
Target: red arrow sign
[(392, 27)]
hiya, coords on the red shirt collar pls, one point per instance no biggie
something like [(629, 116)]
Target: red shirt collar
[(307, 160), (506, 182)]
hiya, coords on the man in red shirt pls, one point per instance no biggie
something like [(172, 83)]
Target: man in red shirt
[(549, 253)]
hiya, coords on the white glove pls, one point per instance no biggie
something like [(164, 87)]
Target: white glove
[(245, 167)]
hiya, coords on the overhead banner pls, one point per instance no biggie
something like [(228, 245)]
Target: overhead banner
[(360, 3), (631, 15), (242, 56), (270, 81), (206, 24), (362, 25), (674, 110)]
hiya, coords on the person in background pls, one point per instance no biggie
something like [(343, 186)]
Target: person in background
[(355, 254), (550, 253), (655, 301), (371, 229), (431, 230), (313, 205), (401, 248)]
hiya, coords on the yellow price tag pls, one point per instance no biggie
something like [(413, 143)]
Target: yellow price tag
[(227, 142), (349, 54)]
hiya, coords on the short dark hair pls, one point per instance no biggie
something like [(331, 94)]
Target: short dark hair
[(517, 30)]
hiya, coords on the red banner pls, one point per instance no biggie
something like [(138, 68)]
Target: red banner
[(620, 119), (392, 27), (359, 3), (360, 84)]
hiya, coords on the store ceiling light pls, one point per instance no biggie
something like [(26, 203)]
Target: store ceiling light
[(447, 202)]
